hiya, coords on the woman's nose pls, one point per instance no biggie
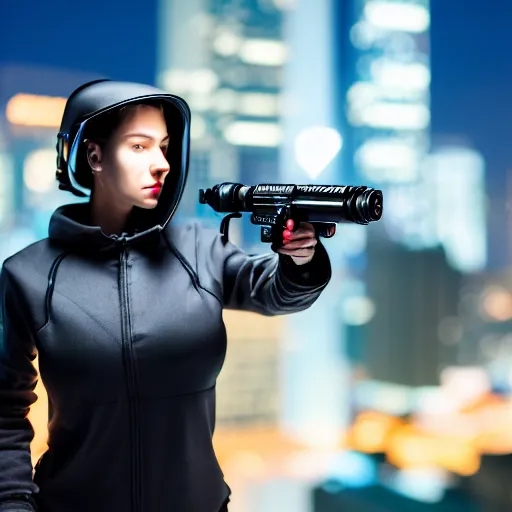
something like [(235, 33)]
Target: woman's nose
[(161, 164)]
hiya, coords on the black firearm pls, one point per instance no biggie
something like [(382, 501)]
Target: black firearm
[(272, 206)]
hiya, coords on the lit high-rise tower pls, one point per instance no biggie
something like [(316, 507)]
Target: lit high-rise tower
[(388, 142), (226, 59), (388, 110)]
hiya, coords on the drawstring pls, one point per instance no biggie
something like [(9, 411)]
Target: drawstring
[(190, 271), (186, 265), (51, 284)]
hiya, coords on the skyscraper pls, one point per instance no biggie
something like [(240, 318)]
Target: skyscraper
[(386, 76), (416, 293), (226, 59)]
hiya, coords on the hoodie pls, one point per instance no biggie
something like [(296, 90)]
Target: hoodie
[(130, 338)]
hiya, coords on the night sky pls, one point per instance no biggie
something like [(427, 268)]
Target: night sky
[(108, 37), (472, 94), (471, 65), (472, 76)]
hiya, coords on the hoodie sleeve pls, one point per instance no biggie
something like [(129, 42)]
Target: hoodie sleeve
[(18, 379), (270, 284)]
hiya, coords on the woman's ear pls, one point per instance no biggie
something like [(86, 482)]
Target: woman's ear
[(94, 155)]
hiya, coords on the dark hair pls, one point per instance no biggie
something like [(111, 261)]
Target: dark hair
[(100, 130)]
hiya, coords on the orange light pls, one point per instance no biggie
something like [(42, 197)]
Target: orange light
[(410, 448), (38, 417), (371, 430), (35, 110), (497, 304)]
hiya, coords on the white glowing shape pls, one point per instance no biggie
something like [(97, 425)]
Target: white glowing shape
[(316, 148), (39, 170), (227, 43), (358, 310), (263, 52), (396, 16), (198, 128), (255, 134), (285, 5)]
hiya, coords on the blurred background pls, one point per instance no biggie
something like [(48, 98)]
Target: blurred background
[(393, 392)]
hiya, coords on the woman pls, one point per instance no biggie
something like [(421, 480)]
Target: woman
[(124, 309)]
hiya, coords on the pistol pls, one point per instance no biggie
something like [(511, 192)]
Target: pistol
[(272, 205)]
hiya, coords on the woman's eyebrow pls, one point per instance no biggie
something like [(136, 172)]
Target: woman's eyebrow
[(144, 136)]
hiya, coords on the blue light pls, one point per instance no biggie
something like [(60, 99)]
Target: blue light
[(351, 469)]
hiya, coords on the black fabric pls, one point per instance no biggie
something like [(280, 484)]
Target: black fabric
[(130, 343)]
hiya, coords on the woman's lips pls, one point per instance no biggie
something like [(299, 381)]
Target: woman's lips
[(154, 189)]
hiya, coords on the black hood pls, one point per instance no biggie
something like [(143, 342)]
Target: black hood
[(72, 223)]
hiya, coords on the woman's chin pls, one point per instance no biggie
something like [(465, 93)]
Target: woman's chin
[(148, 203), (149, 200)]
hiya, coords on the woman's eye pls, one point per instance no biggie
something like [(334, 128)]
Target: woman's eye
[(138, 147), (164, 149)]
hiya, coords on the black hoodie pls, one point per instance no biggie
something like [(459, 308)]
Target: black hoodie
[(130, 339)]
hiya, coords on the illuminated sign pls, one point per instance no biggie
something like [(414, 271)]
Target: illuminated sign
[(35, 110)]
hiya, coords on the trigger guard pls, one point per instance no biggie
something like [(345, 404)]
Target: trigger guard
[(224, 226), (326, 230)]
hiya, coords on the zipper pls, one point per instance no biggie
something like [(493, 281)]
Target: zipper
[(131, 376)]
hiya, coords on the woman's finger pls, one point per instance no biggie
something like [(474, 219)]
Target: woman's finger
[(305, 253), (299, 233), (300, 244)]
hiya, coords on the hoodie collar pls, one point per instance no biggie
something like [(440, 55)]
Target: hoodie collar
[(71, 226)]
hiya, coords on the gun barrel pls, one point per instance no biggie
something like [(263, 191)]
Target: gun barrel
[(312, 203), (317, 203), (353, 204)]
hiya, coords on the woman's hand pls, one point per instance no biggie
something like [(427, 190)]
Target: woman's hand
[(299, 244)]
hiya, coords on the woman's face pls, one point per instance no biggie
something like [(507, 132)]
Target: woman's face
[(132, 166)]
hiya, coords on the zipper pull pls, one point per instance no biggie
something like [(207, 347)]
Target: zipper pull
[(122, 244)]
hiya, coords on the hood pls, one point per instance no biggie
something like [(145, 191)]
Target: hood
[(71, 224)]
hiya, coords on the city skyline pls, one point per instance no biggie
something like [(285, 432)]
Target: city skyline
[(413, 329), (469, 100)]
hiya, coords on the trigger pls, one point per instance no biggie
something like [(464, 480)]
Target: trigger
[(326, 230), (330, 231)]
